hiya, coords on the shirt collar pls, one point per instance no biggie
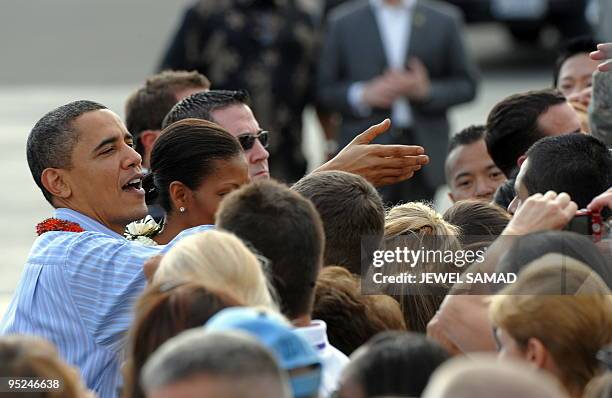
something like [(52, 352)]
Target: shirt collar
[(87, 223), (315, 334), (380, 4)]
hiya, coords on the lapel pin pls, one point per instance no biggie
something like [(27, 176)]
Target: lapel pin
[(419, 19)]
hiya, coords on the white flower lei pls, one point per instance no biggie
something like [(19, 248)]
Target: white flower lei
[(143, 230)]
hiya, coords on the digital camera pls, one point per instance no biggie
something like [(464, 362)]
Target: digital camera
[(587, 222)]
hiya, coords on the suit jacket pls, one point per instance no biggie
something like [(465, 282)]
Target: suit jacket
[(353, 51)]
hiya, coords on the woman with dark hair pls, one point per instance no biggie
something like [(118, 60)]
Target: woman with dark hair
[(194, 164), (162, 312)]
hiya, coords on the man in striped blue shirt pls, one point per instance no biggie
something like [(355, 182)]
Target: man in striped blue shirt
[(78, 288)]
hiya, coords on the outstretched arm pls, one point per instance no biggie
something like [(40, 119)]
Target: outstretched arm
[(379, 164)]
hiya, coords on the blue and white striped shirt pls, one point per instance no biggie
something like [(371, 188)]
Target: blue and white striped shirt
[(78, 290)]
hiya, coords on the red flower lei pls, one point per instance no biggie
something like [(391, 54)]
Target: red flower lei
[(55, 224)]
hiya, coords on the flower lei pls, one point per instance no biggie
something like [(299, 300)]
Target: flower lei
[(55, 224), (143, 231)]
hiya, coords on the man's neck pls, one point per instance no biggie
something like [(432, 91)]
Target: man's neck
[(302, 321), (119, 229), (171, 229)]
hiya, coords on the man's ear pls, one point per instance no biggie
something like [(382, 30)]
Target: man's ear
[(180, 195), (521, 160), (537, 353), (55, 181), (148, 138)]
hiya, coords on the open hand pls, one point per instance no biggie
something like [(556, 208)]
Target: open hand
[(379, 164)]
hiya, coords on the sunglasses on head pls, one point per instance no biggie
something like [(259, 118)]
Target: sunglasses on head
[(248, 140)]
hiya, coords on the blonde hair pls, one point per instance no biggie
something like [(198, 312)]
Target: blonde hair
[(418, 226), (567, 307), (418, 218), (219, 261), (27, 356)]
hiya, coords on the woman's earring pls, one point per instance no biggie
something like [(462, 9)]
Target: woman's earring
[(182, 209)]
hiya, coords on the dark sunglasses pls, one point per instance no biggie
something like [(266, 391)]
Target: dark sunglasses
[(248, 140)]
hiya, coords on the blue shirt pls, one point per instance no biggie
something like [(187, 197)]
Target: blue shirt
[(78, 290)]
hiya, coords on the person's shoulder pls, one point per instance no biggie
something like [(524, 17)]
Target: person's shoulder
[(66, 239), (347, 11), (334, 361), (55, 246), (186, 233), (337, 357), (440, 9)]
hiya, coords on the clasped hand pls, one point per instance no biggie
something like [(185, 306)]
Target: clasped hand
[(412, 82)]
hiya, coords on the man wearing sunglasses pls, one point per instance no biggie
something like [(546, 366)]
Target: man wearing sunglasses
[(379, 164), (228, 109)]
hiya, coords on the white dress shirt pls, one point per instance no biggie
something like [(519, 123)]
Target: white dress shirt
[(394, 24)]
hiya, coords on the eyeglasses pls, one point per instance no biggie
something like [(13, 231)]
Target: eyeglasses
[(248, 140)]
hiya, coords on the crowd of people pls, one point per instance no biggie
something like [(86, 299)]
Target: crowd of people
[(176, 265)]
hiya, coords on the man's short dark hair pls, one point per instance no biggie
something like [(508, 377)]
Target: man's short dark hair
[(146, 108), (286, 228), (53, 138), (351, 210), (577, 45), (467, 136), (201, 105), (512, 126), (577, 164), (395, 364)]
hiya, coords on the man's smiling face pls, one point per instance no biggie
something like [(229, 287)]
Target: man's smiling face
[(104, 178)]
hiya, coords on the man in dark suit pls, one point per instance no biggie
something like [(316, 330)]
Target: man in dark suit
[(403, 59)]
